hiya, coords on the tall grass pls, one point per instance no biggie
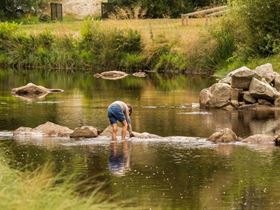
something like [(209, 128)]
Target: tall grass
[(39, 190)]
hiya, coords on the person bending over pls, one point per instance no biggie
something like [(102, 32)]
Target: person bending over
[(120, 111)]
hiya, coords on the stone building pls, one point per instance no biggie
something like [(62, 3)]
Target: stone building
[(82, 8)]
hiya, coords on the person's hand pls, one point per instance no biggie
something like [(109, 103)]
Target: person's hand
[(131, 135)]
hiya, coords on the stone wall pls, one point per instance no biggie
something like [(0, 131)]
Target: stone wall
[(82, 8)]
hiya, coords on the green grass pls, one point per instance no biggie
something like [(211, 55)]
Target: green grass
[(37, 190), (252, 64)]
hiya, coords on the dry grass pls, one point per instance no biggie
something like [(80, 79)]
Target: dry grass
[(171, 29)]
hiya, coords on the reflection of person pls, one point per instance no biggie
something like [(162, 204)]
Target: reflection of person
[(119, 162), (120, 111)]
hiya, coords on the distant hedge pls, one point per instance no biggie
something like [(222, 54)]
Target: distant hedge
[(166, 8)]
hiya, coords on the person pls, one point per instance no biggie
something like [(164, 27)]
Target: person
[(120, 111)]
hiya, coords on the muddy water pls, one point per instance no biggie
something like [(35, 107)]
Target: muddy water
[(174, 173)]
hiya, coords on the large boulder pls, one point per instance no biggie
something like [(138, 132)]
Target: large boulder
[(217, 96), (84, 132), (277, 82), (260, 139), (265, 71), (241, 78), (48, 129), (261, 90), (111, 75), (223, 136)]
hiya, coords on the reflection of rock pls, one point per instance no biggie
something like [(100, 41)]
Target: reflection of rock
[(111, 75), (32, 91), (45, 130), (223, 136), (139, 74), (84, 132), (260, 139)]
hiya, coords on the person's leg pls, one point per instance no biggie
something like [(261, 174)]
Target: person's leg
[(114, 131), (124, 129)]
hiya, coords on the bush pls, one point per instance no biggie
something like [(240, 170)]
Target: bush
[(259, 24)]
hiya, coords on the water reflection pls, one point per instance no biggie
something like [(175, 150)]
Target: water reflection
[(119, 159)]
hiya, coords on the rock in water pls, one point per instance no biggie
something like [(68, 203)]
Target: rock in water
[(241, 78), (261, 90), (223, 136), (204, 98), (265, 71), (248, 98), (84, 132), (260, 139), (139, 74), (33, 91), (112, 75), (108, 132), (45, 130)]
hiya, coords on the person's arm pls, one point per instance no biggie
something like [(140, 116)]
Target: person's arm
[(128, 121)]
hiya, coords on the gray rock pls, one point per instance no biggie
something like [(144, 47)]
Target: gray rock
[(236, 94), (204, 98), (84, 132), (277, 102), (261, 90), (241, 78), (265, 71), (139, 74), (260, 139), (32, 90), (277, 82), (223, 136), (248, 98)]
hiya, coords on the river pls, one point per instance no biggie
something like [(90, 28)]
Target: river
[(177, 173)]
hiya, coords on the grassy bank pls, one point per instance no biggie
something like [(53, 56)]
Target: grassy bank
[(37, 190), (128, 45)]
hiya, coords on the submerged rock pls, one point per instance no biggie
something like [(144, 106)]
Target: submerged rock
[(84, 132), (260, 139), (111, 75), (223, 136), (48, 129)]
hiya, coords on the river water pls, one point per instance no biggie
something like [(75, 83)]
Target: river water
[(177, 172)]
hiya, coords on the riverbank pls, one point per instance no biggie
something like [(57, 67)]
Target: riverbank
[(127, 45)]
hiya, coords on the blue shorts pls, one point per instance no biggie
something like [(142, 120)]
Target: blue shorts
[(115, 114)]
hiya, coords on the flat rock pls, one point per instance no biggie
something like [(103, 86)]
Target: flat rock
[(260, 139), (223, 136), (84, 132), (111, 75)]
